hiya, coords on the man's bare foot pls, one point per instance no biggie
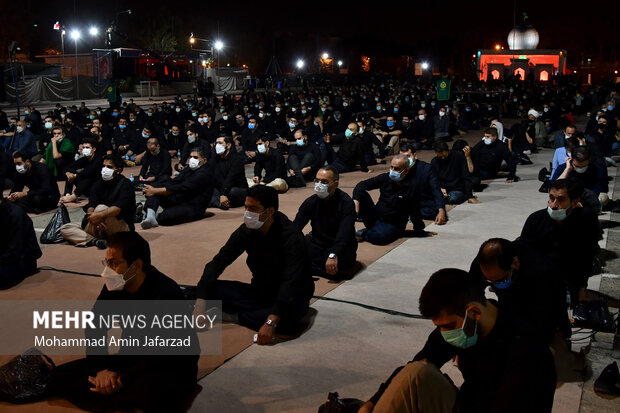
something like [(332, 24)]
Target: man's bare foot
[(474, 201), (68, 198)]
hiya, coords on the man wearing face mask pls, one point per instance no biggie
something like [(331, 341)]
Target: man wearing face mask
[(565, 233), (272, 162), (496, 353), (488, 154), (441, 125), (124, 139), (192, 142), (390, 131), (42, 194), (385, 222), (304, 160), (127, 381), (111, 208), (156, 163), (59, 153), (184, 198), (83, 173), (22, 140), (453, 175), (579, 167), (279, 294), (249, 136), (332, 246), (351, 151), (423, 131), (286, 134), (229, 175), (174, 140)]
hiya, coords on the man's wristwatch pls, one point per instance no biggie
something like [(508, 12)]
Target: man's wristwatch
[(331, 256), (271, 323)]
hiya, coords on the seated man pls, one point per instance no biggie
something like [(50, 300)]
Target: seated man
[(184, 198), (488, 155), (229, 175), (83, 173), (560, 154), (496, 354), (351, 151), (369, 141), (565, 233), (156, 167), (398, 202), (42, 194), (281, 289), (454, 178), (111, 208), (580, 168), (304, 160), (427, 185), (22, 140), (272, 162), (105, 382), (332, 246), (59, 153), (390, 133), (7, 170), (562, 136), (19, 249)]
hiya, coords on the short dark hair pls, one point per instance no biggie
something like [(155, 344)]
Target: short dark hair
[(441, 147), (570, 125), (90, 140), (200, 150), (449, 290), (573, 188), (491, 131), (155, 138), (62, 129), (333, 170), (459, 144), (406, 147), (581, 154), (227, 139), (21, 154), (133, 247), (266, 195), (116, 160), (500, 253), (571, 143)]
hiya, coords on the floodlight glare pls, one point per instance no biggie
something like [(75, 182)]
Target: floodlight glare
[(219, 45), (75, 34), (300, 64), (93, 31), (424, 65), (325, 56), (339, 62)]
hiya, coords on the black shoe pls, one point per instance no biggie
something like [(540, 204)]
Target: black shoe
[(101, 244), (609, 381)]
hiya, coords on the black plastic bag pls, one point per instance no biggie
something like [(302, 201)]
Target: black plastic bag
[(26, 378), (52, 235), (334, 404), (593, 314)]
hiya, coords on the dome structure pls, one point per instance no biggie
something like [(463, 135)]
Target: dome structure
[(523, 37)]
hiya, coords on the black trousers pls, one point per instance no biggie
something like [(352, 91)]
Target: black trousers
[(154, 389), (319, 254), (13, 273), (38, 203), (82, 186), (296, 164), (174, 213), (252, 307), (236, 196)]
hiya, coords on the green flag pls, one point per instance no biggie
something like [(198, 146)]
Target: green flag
[(443, 89)]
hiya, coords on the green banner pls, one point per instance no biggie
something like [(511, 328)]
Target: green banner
[(443, 89)]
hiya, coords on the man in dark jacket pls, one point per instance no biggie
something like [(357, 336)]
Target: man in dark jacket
[(453, 175), (351, 151), (304, 160), (271, 161), (229, 175), (156, 167), (84, 172), (42, 194), (488, 155)]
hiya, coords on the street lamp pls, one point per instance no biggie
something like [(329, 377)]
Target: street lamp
[(75, 35), (339, 62), (300, 64), (219, 45), (93, 31), (424, 66), (325, 55)]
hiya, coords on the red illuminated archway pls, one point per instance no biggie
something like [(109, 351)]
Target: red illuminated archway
[(520, 72), (544, 76), (495, 74)]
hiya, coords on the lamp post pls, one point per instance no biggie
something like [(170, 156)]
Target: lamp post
[(219, 45), (75, 35)]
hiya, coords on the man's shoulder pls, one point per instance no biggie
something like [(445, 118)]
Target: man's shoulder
[(163, 285)]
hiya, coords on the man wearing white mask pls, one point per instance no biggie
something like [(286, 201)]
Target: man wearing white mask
[(129, 381), (184, 198), (42, 194), (271, 161), (111, 208), (488, 154), (332, 246), (279, 294), (84, 172), (229, 175)]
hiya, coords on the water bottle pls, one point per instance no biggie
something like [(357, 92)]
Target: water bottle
[(131, 177), (126, 157), (568, 305), (178, 153)]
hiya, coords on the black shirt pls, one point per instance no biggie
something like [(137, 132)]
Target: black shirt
[(427, 184), (351, 151), (157, 166), (116, 192), (332, 221), (18, 241), (511, 370), (453, 173), (273, 164), (192, 187), (86, 167), (489, 158), (39, 179), (301, 151), (278, 282), (229, 172)]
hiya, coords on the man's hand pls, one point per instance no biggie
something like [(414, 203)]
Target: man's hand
[(95, 218), (327, 139), (444, 193), (569, 163), (440, 219), (70, 176), (54, 139), (467, 151), (291, 172), (305, 170), (17, 195), (367, 407), (139, 159), (224, 201), (256, 179), (267, 333), (357, 206), (106, 382), (149, 191), (331, 266)]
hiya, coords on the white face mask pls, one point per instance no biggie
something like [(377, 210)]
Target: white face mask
[(194, 163), (113, 280), (19, 129), (442, 113), (261, 148), (20, 169), (48, 125), (191, 138), (421, 117), (107, 174), (487, 141), (251, 220), (580, 170), (178, 110), (321, 190), (277, 109), (220, 149), (86, 152), (225, 117)]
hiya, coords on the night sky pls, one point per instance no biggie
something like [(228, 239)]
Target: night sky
[(445, 33)]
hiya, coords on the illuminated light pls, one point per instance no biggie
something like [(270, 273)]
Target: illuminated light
[(615, 71), (522, 57), (497, 47), (219, 45), (473, 55), (325, 56), (574, 71), (339, 62), (192, 40), (75, 34), (544, 76), (424, 65), (227, 64), (495, 74), (300, 64), (93, 31)]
